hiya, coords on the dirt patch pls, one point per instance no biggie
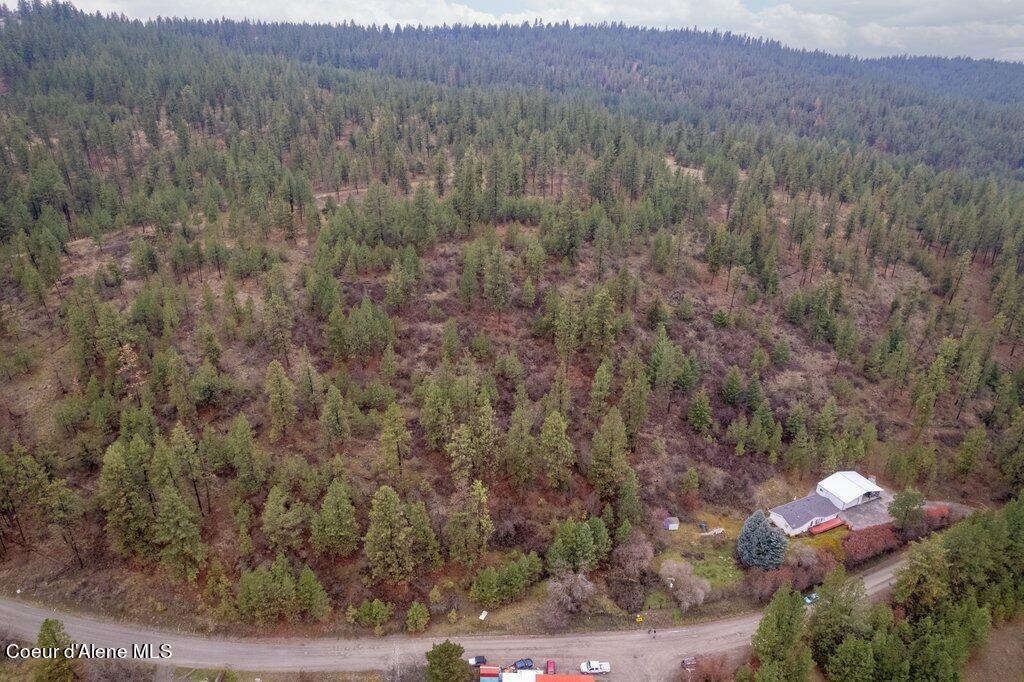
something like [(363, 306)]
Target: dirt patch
[(1003, 652)]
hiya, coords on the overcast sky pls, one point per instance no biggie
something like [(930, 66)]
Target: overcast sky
[(975, 28)]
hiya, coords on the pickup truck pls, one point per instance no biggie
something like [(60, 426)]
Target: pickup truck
[(595, 667)]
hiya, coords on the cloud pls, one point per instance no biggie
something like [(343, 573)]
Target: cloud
[(979, 28)]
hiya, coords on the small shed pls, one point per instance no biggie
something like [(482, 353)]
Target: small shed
[(670, 523)]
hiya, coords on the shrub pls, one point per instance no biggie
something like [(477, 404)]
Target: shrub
[(495, 587), (370, 614), (720, 319), (417, 617), (868, 543), (688, 589), (764, 584)]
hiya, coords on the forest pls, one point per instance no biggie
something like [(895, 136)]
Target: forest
[(349, 329)]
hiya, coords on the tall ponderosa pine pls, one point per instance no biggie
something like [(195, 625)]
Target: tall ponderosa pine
[(280, 393), (387, 541), (176, 532), (334, 425), (334, 530), (556, 451), (608, 455)]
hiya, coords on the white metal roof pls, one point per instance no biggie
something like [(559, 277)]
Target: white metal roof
[(848, 485)]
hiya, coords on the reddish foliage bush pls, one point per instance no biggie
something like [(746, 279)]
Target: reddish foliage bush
[(936, 518), (713, 669), (862, 545), (763, 584)]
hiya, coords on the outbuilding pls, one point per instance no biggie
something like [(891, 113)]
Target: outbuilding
[(670, 523), (847, 489)]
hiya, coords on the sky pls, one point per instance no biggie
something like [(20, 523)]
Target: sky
[(870, 28)]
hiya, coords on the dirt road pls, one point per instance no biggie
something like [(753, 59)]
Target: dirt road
[(633, 654)]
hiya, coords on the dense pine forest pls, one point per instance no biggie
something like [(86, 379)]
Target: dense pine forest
[(343, 328)]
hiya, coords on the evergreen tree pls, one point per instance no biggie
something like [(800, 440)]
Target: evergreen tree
[(176, 533), (334, 531), (732, 387), (311, 597), (334, 424), (760, 543), (556, 451), (778, 641), (125, 501), (281, 520), (395, 440), (469, 529), (852, 661), (417, 617), (600, 390), (58, 668), (280, 393), (387, 540), (446, 664), (608, 454), (520, 445), (436, 415), (423, 541), (700, 417)]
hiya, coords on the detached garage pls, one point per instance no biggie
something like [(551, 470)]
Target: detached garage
[(847, 489)]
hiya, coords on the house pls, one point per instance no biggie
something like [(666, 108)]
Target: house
[(833, 495), (847, 489), (797, 516), (670, 523)]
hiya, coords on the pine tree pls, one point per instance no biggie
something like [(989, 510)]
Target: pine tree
[(280, 393), (436, 415), (309, 391), (176, 532), (732, 388), (395, 440), (520, 445), (628, 507), (417, 617), (186, 454), (446, 664), (556, 451), (636, 391), (334, 531), (461, 453), (778, 641), (608, 454), (59, 668), (469, 529), (125, 500), (334, 423), (485, 434), (700, 417), (242, 452), (600, 389), (387, 540), (281, 520), (278, 320), (422, 539), (311, 597)]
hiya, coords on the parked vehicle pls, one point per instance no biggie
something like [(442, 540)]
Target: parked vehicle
[(476, 661), (689, 663), (811, 598), (550, 667), (524, 664), (595, 667)]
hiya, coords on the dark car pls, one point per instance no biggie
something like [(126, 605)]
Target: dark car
[(524, 664), (476, 661)]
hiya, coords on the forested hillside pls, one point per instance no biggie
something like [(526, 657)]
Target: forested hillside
[(376, 328)]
